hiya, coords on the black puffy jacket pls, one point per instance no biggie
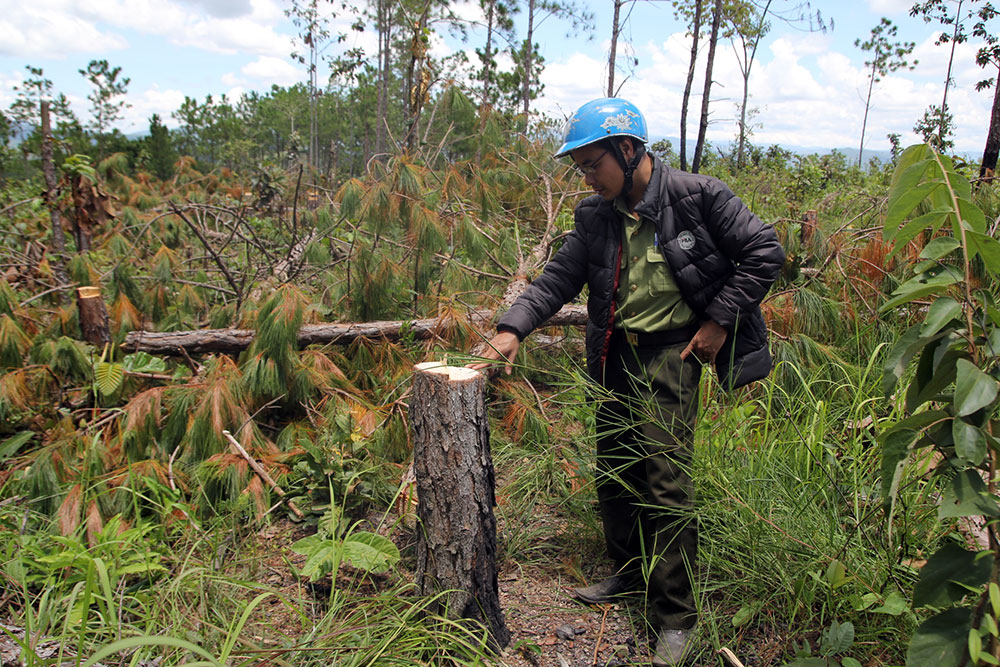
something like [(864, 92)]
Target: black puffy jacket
[(723, 258)]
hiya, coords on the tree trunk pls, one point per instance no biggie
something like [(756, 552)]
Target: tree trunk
[(699, 147), (864, 121), (947, 78), (456, 538), (93, 316), (58, 254), (484, 100), (685, 101), (989, 165), (529, 51), (205, 341), (383, 19), (615, 29)]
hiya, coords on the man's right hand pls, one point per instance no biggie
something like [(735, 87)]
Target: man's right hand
[(502, 346)]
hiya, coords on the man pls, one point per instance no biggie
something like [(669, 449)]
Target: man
[(677, 266)]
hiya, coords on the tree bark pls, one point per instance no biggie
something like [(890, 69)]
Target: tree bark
[(685, 101), (864, 122), (706, 95), (989, 165), (203, 341), (456, 537), (58, 254), (529, 52), (615, 29), (93, 316)]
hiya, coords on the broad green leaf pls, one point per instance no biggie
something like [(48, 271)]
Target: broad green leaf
[(970, 442), (995, 598), (143, 362), (916, 422), (895, 448), (837, 638), (743, 615), (321, 560), (902, 203), (974, 389), (932, 220), (906, 347), (949, 575), (921, 286), (975, 645), (370, 552), (986, 247), (850, 662), (941, 312), (11, 445), (137, 568), (972, 216), (990, 624), (967, 495), (939, 246), (897, 442), (894, 605), (836, 574), (910, 171), (941, 640), (108, 377), (307, 545), (933, 375)]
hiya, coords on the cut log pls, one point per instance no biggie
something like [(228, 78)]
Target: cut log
[(456, 534), (202, 341), (93, 316)]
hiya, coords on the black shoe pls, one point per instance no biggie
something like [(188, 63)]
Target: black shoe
[(672, 647), (604, 591)]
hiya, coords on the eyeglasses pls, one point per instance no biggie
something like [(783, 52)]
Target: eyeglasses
[(590, 168)]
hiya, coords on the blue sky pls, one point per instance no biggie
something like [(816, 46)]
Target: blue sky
[(808, 87)]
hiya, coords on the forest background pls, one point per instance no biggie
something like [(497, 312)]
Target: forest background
[(846, 503)]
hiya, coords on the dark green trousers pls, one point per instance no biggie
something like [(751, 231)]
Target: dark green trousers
[(644, 442)]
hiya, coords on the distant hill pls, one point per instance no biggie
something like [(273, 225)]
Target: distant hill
[(850, 153)]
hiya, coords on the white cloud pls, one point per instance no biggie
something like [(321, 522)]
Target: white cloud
[(147, 103), (44, 28), (890, 7), (268, 70), (806, 93), (222, 8), (56, 28)]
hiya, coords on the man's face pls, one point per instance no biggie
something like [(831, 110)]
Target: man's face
[(600, 169)]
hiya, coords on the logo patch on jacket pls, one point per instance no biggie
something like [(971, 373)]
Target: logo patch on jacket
[(685, 240)]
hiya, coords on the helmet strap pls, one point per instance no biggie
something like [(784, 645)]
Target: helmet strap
[(629, 166)]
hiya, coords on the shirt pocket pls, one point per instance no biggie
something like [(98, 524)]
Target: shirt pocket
[(660, 279)]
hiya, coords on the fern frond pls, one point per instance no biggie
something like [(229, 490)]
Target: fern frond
[(351, 197), (14, 343), (70, 510), (125, 316), (81, 270)]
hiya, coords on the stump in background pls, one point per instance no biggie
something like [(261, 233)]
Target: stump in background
[(456, 535), (93, 316)]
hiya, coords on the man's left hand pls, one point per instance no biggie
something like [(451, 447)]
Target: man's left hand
[(706, 342)]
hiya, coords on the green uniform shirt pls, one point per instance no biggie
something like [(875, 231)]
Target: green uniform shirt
[(648, 298)]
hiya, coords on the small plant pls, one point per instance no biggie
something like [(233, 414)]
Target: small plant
[(951, 400), (336, 542)]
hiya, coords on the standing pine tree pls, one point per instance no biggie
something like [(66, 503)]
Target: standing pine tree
[(887, 56), (161, 149)]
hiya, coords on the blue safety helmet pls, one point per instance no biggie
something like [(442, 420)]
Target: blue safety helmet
[(600, 119)]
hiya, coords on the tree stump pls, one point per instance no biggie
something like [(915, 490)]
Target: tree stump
[(93, 316), (456, 534)]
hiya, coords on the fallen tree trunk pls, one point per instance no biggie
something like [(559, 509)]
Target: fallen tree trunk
[(456, 537), (202, 341)]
